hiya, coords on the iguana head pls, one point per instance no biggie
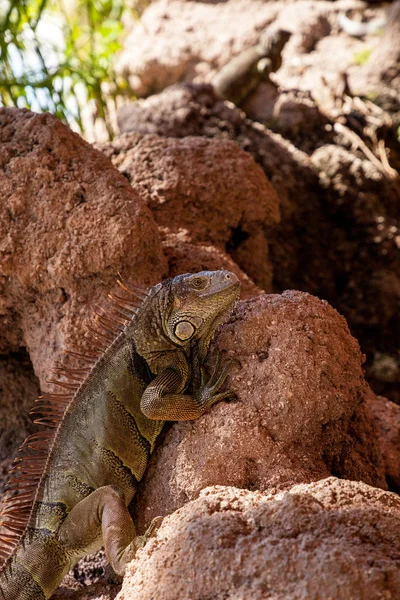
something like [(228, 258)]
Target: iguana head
[(198, 304)]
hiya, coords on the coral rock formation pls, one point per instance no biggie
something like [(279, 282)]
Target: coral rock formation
[(329, 539), (209, 188)]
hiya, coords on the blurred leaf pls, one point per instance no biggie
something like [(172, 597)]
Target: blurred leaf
[(55, 56), (362, 57)]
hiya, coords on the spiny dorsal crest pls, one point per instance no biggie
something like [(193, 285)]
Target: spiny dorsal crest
[(26, 474)]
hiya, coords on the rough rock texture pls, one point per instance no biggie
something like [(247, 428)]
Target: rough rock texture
[(184, 41), (300, 412), (387, 418), (68, 222), (381, 73), (338, 237), (210, 188), (327, 540), (366, 204)]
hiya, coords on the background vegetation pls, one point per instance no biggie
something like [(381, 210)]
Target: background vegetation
[(57, 57)]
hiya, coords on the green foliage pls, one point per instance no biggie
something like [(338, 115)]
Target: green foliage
[(360, 58), (56, 56)]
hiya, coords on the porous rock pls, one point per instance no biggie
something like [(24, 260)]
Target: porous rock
[(299, 414), (387, 416), (331, 539), (68, 222), (210, 188)]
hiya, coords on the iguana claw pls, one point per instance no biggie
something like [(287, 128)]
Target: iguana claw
[(207, 393)]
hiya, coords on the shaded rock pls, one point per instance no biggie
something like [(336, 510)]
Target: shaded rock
[(68, 222), (211, 188), (360, 197), (329, 539), (299, 415), (295, 114), (383, 373), (18, 390), (301, 238), (380, 75), (387, 416)]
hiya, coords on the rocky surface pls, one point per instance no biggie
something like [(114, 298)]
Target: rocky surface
[(18, 389), (183, 40), (329, 539), (150, 62), (68, 222), (387, 419), (210, 189), (338, 236)]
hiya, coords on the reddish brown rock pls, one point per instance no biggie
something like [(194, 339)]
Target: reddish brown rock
[(210, 188), (68, 222), (300, 412), (330, 539), (387, 416)]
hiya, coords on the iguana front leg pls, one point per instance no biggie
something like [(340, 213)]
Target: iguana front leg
[(164, 399)]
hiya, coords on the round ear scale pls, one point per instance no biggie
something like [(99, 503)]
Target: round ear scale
[(184, 330)]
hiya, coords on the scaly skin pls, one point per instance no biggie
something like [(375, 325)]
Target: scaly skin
[(151, 373)]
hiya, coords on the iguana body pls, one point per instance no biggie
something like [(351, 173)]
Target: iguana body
[(72, 497), (241, 75)]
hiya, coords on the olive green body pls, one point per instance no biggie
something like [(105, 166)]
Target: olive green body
[(108, 432), (105, 439)]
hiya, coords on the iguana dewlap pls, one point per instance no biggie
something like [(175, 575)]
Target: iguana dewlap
[(70, 490)]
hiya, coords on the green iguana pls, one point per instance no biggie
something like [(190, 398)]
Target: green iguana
[(69, 492)]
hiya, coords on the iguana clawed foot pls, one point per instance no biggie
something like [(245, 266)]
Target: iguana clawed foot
[(138, 542), (141, 540), (208, 393)]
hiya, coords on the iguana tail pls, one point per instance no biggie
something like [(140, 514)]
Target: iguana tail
[(32, 573)]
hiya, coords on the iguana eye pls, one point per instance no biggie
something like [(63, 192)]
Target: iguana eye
[(199, 283)]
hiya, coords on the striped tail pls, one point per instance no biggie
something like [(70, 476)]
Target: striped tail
[(16, 583)]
